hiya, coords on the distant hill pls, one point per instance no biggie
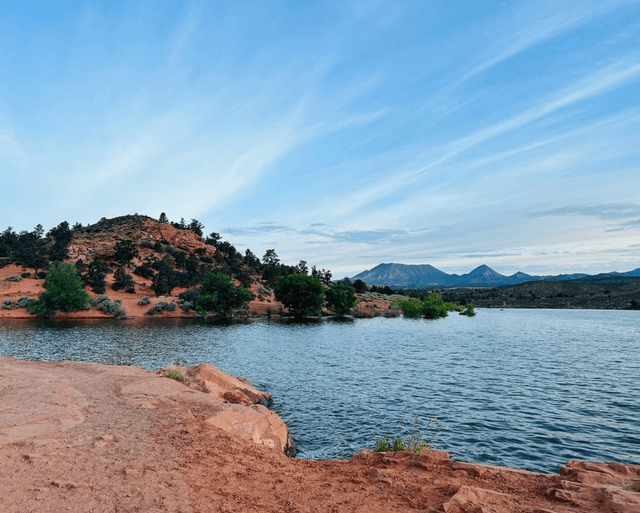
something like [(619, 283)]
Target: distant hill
[(404, 276)]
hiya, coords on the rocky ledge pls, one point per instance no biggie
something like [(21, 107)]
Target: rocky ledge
[(84, 437)]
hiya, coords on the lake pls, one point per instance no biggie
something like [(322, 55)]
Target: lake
[(522, 388)]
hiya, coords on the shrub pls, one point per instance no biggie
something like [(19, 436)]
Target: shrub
[(434, 306), (25, 275), (220, 296), (302, 295), (341, 298), (13, 278), (122, 280), (113, 308), (411, 308), (469, 310), (144, 301), (24, 302), (173, 374), (64, 292), (161, 306), (7, 304)]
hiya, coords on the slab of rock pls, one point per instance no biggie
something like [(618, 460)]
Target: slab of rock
[(599, 487)]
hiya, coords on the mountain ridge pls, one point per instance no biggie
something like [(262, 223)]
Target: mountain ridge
[(418, 276)]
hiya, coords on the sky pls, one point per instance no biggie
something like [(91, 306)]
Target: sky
[(343, 133)]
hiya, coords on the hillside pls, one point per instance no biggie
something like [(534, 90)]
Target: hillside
[(139, 264)]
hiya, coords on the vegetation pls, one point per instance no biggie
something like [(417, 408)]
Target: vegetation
[(64, 292), (432, 307), (469, 310), (302, 295), (411, 442), (340, 298), (173, 374), (221, 297)]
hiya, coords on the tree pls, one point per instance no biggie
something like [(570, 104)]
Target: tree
[(61, 235), (270, 258), (196, 227), (340, 298), (469, 310), (359, 286), (221, 297), (125, 251), (64, 292), (301, 294), (302, 268), (163, 218), (434, 306), (213, 239), (122, 280), (96, 272)]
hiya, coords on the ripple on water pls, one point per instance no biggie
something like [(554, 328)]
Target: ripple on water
[(523, 388)]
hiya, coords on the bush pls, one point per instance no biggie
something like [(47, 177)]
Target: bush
[(113, 308), (64, 292), (340, 298), (302, 295), (144, 301), (411, 308), (25, 275), (469, 310), (13, 278), (24, 302), (161, 306), (122, 280), (7, 304), (434, 306), (220, 296)]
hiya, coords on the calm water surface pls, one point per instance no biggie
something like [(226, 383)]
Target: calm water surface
[(524, 388)]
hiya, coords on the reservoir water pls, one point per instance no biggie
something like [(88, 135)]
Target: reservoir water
[(522, 388)]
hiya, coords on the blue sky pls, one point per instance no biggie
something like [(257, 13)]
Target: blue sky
[(343, 133)]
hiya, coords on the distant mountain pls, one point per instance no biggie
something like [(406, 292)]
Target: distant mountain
[(404, 276)]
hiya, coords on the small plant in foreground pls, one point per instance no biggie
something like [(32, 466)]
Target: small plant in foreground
[(173, 374), (412, 442)]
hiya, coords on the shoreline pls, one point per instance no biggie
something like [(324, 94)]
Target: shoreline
[(97, 438)]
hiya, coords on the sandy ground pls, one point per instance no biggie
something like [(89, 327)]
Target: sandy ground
[(89, 438)]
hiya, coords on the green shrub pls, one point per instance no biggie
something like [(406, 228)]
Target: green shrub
[(144, 301), (469, 310), (220, 296), (434, 306), (64, 292), (302, 295), (161, 306), (172, 374), (340, 298), (13, 278), (7, 304), (411, 308)]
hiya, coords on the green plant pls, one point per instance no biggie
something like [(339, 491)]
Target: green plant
[(64, 292), (173, 374), (220, 296), (340, 298), (411, 308), (434, 306), (469, 310), (13, 278), (412, 442), (302, 295)]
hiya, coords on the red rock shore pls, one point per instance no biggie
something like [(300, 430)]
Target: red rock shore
[(85, 437)]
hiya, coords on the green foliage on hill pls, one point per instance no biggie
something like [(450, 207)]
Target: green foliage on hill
[(302, 295), (220, 296), (340, 298), (469, 310), (64, 292)]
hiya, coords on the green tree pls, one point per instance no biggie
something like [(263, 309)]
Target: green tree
[(340, 298), (301, 294), (412, 308), (434, 306), (64, 292), (221, 297), (469, 310)]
